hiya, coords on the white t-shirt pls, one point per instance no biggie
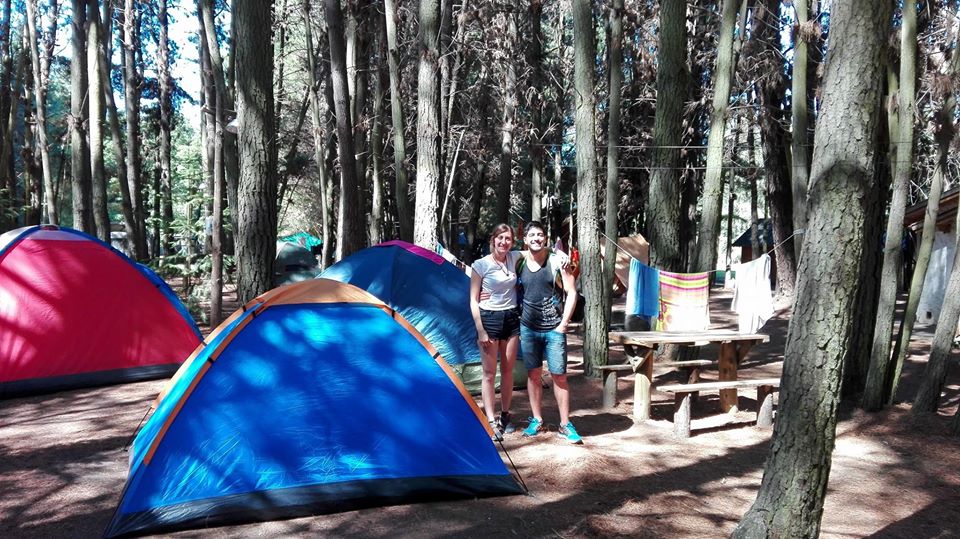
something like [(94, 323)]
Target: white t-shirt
[(498, 280)]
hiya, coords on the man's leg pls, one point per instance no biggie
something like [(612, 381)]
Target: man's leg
[(532, 351), (535, 390), (508, 357), (562, 392)]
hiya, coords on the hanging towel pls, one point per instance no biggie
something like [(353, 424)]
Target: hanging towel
[(752, 298), (643, 290), (684, 301)]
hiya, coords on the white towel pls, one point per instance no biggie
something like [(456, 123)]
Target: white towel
[(752, 298)]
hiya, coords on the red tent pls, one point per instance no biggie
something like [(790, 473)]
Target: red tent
[(76, 312)]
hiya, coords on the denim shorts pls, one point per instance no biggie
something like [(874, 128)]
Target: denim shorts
[(500, 325), (539, 346)]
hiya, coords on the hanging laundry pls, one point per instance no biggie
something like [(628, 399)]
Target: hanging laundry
[(643, 290), (752, 298), (684, 301)]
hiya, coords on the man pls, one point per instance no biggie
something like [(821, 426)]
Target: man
[(549, 299)]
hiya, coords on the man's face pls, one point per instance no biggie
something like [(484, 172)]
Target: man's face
[(535, 239)]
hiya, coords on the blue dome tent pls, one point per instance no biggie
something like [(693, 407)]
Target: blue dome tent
[(431, 293), (313, 398)]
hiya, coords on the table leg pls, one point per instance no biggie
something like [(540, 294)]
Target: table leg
[(643, 380), (728, 373)]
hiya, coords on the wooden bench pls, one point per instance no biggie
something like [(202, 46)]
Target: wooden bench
[(683, 393), (610, 374)]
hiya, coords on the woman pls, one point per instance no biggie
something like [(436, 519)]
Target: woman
[(497, 318)]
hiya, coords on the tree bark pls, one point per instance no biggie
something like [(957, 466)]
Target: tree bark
[(349, 217), (257, 191), (663, 204), (944, 133), (40, 101), (215, 97), (98, 82), (79, 148), (799, 104), (376, 137), (706, 257), (126, 203), (779, 192), (131, 103), (428, 123), (356, 41), (935, 372), (225, 89), (874, 395), (7, 108), (319, 143), (596, 322), (166, 128), (536, 150), (509, 96), (612, 195), (790, 501), (402, 188)]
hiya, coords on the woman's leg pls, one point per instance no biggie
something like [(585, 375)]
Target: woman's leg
[(488, 355)]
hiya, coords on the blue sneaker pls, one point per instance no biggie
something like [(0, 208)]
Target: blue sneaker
[(570, 433), (534, 428)]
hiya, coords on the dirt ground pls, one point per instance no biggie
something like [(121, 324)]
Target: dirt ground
[(63, 466)]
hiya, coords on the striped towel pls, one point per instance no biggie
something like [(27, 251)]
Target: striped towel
[(684, 301)]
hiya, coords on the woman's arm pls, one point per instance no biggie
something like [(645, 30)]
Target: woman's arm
[(475, 287)]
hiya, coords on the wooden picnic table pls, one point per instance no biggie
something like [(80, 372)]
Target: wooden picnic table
[(640, 347)]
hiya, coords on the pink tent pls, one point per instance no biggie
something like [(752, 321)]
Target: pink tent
[(76, 312)]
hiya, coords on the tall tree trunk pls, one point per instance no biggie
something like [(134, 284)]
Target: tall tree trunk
[(376, 137), (509, 97), (536, 150), (349, 216), (166, 128), (33, 175), (40, 101), (319, 144), (356, 42), (592, 284), (257, 191), (401, 189), (874, 395), (944, 132), (224, 85), (706, 257), (98, 81), (215, 157), (800, 142), (779, 193), (79, 148), (790, 500), (612, 196), (131, 103), (935, 372), (663, 205), (428, 123), (126, 204), (7, 104)]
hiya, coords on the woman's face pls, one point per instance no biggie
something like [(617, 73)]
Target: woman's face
[(503, 241)]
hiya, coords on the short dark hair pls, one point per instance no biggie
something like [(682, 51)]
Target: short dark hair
[(532, 225)]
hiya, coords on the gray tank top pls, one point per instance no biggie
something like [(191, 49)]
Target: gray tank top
[(542, 303)]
